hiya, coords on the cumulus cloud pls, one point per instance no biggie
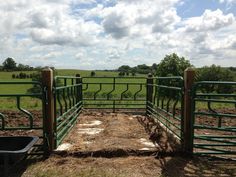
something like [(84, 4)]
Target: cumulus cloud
[(210, 20), (126, 16), (112, 32)]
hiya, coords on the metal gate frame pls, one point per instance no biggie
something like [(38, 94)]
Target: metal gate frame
[(213, 144)]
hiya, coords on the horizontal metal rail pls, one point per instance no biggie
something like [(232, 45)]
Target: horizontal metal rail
[(67, 105), (114, 92), (11, 123), (219, 124), (166, 94)]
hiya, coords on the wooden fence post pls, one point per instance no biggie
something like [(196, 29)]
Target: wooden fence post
[(79, 88), (47, 81), (149, 93), (189, 76)]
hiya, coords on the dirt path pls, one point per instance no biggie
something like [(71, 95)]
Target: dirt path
[(120, 145), (98, 131)]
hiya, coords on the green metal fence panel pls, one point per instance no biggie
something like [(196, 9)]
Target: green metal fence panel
[(214, 118), (166, 103), (68, 104), (20, 118), (116, 93)]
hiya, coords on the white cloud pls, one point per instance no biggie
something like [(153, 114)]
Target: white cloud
[(80, 33), (210, 20), (227, 1)]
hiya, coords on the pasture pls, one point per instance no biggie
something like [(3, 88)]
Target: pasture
[(33, 103)]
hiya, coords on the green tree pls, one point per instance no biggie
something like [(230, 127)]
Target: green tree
[(124, 68), (154, 68), (143, 69), (9, 64), (172, 65), (215, 73)]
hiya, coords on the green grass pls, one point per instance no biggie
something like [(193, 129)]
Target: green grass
[(31, 103)]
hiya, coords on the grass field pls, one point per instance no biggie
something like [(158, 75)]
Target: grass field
[(34, 103), (89, 90)]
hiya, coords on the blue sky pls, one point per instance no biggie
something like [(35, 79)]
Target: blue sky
[(192, 8), (104, 34)]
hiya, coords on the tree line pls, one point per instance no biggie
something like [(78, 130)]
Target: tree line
[(173, 65), (170, 65), (9, 65)]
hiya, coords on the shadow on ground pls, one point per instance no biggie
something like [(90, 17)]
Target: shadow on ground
[(197, 167)]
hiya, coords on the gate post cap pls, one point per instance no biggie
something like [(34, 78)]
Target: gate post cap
[(47, 69), (189, 69)]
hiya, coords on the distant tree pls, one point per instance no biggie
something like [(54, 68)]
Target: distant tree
[(21, 67), (232, 68), (13, 76), (215, 73), (143, 69), (172, 65), (124, 68), (92, 74), (9, 64), (133, 73), (38, 68), (127, 73), (154, 68), (121, 74)]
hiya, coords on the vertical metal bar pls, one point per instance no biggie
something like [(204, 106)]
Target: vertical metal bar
[(158, 92), (25, 111), (64, 95), (59, 101), (3, 121), (72, 92), (114, 108), (69, 97)]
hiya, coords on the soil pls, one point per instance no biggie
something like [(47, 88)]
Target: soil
[(118, 144), (97, 131)]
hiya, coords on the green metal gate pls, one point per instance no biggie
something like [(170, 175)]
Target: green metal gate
[(67, 105), (165, 103), (214, 118), (115, 93), (20, 119)]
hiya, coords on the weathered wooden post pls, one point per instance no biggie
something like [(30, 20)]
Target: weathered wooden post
[(149, 94), (79, 94), (47, 81), (189, 76)]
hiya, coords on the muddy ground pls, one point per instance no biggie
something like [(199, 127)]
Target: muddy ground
[(119, 144)]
